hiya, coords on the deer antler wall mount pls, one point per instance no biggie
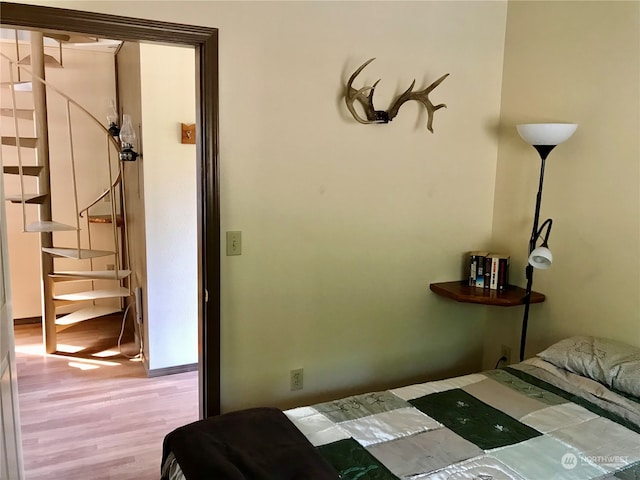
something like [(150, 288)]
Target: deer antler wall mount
[(364, 95)]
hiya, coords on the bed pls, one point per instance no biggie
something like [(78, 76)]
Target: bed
[(571, 412)]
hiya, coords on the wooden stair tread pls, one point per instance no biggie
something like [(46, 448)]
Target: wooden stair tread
[(75, 253), (84, 275), (94, 294), (105, 219), (68, 37), (24, 113), (31, 171), (37, 198), (49, 61), (19, 86), (25, 142), (83, 314), (46, 226)]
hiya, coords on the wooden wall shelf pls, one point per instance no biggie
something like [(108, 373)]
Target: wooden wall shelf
[(105, 219), (461, 292)]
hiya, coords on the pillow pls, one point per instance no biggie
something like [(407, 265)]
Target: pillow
[(612, 363)]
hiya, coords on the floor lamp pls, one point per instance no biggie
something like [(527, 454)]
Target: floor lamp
[(544, 137)]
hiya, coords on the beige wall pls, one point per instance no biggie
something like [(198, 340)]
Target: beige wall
[(345, 225), (577, 62), (129, 93)]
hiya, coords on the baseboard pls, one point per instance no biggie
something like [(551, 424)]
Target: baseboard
[(159, 372), (27, 321)]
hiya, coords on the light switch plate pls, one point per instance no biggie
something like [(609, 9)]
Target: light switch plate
[(234, 243)]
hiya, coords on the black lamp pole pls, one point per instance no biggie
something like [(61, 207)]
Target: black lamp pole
[(544, 151)]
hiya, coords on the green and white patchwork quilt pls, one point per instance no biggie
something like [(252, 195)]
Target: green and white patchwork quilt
[(533, 421)]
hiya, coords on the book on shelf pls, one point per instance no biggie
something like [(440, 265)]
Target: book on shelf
[(488, 270), (493, 281), (477, 259), (503, 272)]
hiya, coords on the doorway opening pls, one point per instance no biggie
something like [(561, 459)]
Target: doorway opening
[(204, 41)]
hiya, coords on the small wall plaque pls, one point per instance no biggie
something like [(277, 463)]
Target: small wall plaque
[(188, 133)]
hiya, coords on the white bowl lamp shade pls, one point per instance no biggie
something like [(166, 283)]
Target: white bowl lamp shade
[(541, 258), (546, 133)]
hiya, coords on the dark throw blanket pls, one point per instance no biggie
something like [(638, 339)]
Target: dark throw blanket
[(253, 444)]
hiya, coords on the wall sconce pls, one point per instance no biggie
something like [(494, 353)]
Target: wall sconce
[(112, 120), (544, 137), (127, 139)]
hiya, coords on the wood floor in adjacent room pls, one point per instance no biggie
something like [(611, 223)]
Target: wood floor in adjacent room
[(90, 415)]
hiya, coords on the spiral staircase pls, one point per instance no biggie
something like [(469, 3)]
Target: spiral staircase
[(86, 290)]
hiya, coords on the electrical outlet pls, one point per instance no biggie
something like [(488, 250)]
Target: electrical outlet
[(297, 379), (506, 353)]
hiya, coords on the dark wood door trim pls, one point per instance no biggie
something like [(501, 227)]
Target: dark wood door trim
[(205, 41)]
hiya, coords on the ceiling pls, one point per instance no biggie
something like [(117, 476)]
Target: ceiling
[(66, 39)]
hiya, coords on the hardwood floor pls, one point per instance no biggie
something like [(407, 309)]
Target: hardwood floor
[(91, 417)]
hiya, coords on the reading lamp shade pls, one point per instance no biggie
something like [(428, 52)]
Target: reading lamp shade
[(541, 258), (546, 133)]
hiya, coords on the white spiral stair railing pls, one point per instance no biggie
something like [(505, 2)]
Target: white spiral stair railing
[(119, 275)]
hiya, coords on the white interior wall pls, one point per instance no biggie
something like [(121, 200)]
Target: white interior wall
[(167, 80)]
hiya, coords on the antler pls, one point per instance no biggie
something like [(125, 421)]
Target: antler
[(373, 115), (382, 116), (421, 96)]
